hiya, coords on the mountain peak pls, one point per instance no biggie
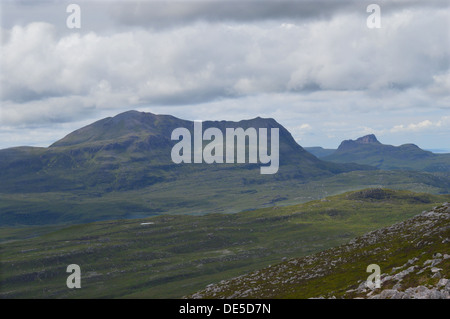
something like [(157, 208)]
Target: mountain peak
[(123, 125), (368, 139), (365, 140), (367, 150)]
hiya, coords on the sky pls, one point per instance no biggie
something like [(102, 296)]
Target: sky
[(314, 66)]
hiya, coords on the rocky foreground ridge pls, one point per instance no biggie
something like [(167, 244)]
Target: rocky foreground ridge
[(413, 256)]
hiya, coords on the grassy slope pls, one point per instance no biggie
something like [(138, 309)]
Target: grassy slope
[(178, 255), (341, 272)]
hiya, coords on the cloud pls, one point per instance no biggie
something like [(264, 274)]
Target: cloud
[(202, 62), (169, 13), (159, 14), (302, 131), (414, 127), (305, 127), (299, 62), (425, 125)]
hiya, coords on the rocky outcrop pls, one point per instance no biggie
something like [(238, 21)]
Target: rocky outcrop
[(349, 144), (413, 256), (440, 290)]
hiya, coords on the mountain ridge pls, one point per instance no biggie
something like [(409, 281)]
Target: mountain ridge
[(368, 150), (131, 152), (147, 132)]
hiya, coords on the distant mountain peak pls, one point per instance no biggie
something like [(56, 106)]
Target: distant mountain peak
[(367, 150), (368, 139)]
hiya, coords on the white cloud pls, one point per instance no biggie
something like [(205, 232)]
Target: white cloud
[(415, 127), (443, 122), (295, 70), (202, 62), (305, 127)]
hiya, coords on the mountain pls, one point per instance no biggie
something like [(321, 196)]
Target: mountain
[(121, 167), (370, 139), (411, 255), (369, 151), (319, 152), (132, 150)]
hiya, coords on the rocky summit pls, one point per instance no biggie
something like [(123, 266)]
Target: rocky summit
[(368, 139)]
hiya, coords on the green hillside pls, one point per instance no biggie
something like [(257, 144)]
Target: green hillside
[(172, 256), (412, 256)]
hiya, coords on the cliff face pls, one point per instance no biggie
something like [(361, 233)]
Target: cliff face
[(412, 256)]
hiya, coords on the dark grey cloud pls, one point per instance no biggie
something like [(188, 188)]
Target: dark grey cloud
[(160, 13), (110, 14), (173, 13)]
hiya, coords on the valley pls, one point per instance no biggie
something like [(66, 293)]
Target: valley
[(172, 256), (108, 198)]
